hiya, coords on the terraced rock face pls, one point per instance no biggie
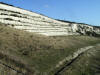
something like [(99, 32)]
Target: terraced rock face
[(33, 22), (29, 21)]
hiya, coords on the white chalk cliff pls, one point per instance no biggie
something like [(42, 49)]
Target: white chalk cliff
[(37, 23)]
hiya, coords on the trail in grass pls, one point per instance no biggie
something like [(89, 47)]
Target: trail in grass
[(72, 59), (17, 71)]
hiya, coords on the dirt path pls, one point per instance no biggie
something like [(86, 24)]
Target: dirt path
[(12, 68), (72, 58)]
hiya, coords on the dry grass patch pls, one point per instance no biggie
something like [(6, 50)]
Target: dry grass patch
[(38, 51)]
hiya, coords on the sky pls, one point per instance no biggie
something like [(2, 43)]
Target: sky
[(82, 11)]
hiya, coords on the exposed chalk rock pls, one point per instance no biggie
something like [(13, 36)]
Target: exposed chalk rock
[(26, 20)]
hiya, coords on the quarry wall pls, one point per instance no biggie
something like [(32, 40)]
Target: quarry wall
[(29, 21)]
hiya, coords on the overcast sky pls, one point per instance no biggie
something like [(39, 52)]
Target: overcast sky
[(84, 11)]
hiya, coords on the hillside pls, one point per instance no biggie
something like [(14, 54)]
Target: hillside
[(87, 64), (34, 22), (24, 53)]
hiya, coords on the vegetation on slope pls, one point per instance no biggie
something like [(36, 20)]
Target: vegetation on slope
[(87, 64), (38, 53)]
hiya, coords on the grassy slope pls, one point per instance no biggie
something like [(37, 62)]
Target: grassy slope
[(87, 64), (39, 52)]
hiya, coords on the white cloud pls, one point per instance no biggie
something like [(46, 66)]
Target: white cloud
[(46, 6)]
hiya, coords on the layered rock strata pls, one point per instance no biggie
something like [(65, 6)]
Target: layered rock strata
[(29, 21)]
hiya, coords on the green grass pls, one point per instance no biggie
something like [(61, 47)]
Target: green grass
[(39, 52), (87, 64)]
